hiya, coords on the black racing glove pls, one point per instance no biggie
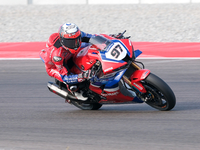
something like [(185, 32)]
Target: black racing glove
[(119, 35)]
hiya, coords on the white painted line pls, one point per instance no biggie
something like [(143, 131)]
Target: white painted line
[(19, 58), (156, 61), (189, 58), (168, 58)]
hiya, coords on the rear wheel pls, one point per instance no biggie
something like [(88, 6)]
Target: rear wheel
[(84, 106), (159, 95)]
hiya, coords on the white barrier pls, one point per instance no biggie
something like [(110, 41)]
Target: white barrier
[(13, 2), (164, 1), (52, 2), (113, 1), (59, 2)]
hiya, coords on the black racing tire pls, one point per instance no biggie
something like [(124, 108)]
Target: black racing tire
[(84, 106), (160, 94)]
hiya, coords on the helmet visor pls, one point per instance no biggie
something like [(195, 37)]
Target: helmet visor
[(72, 43)]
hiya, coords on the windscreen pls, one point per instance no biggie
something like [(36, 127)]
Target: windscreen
[(100, 42)]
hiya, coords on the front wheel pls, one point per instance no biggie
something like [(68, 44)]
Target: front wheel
[(84, 106), (159, 95)]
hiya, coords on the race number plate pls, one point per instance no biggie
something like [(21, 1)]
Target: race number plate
[(116, 51)]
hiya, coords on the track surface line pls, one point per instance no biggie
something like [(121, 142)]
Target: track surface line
[(151, 50)]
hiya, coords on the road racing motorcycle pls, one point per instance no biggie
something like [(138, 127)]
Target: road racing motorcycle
[(117, 77)]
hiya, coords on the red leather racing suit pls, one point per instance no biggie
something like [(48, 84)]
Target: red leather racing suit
[(57, 60)]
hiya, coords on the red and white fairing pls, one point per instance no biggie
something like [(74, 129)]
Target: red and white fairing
[(115, 58)]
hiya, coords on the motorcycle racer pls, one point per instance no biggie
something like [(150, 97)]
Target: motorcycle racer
[(116, 77), (61, 47)]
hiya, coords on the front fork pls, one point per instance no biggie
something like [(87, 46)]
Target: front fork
[(135, 79)]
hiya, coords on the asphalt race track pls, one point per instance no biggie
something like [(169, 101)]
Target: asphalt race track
[(32, 118)]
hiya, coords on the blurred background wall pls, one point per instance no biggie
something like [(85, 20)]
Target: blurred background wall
[(155, 21), (51, 2)]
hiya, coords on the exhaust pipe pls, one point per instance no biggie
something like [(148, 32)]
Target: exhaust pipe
[(55, 89)]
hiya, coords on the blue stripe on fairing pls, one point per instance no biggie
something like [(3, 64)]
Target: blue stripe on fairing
[(113, 83), (137, 100), (137, 53), (103, 57), (42, 59)]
